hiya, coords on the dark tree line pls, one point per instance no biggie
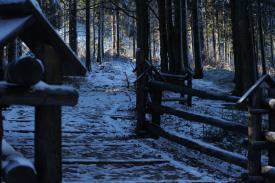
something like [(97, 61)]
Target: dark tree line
[(184, 35)]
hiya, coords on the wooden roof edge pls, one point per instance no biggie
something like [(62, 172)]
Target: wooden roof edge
[(24, 23)]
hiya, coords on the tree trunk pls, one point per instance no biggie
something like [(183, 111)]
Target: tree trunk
[(261, 35), (239, 88), (184, 36), (197, 41), (73, 25), (170, 35), (88, 36), (243, 42), (177, 45), (163, 36), (117, 32), (143, 27)]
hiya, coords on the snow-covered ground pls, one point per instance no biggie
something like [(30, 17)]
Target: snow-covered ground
[(99, 142)]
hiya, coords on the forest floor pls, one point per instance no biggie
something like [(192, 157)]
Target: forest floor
[(99, 142)]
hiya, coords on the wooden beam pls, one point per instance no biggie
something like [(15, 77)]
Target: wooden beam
[(16, 168), (115, 162), (234, 127), (200, 146), (12, 27), (40, 94), (48, 157), (194, 92)]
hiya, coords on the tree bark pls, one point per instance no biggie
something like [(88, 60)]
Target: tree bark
[(88, 36), (73, 25), (170, 35), (184, 36), (197, 42), (163, 36)]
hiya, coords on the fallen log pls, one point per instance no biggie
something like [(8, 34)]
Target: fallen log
[(199, 146), (25, 71), (234, 127), (194, 92), (16, 168)]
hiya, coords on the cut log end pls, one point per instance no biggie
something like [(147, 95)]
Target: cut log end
[(270, 136), (21, 174)]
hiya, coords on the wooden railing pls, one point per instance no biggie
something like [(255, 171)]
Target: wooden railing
[(259, 100)]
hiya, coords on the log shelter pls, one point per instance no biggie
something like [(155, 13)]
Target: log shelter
[(24, 19)]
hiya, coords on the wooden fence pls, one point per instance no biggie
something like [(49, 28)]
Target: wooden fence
[(259, 100)]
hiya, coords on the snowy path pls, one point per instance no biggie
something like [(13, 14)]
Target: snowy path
[(99, 143)]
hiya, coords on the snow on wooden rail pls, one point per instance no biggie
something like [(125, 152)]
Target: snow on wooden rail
[(200, 146), (202, 94), (226, 125), (38, 95)]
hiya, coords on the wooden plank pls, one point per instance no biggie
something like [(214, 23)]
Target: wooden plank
[(48, 160), (10, 28), (200, 146), (173, 76), (194, 92), (114, 162), (15, 8), (234, 127), (40, 94)]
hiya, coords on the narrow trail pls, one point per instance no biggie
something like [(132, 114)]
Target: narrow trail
[(99, 143)]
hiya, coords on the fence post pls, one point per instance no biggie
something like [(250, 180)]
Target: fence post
[(190, 86), (48, 124), (156, 95), (141, 96), (254, 134)]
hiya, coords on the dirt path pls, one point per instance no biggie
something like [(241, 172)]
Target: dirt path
[(99, 143)]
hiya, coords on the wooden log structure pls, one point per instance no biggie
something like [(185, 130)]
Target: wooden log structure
[(25, 71), (199, 146), (16, 168), (202, 94), (24, 19), (234, 127)]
